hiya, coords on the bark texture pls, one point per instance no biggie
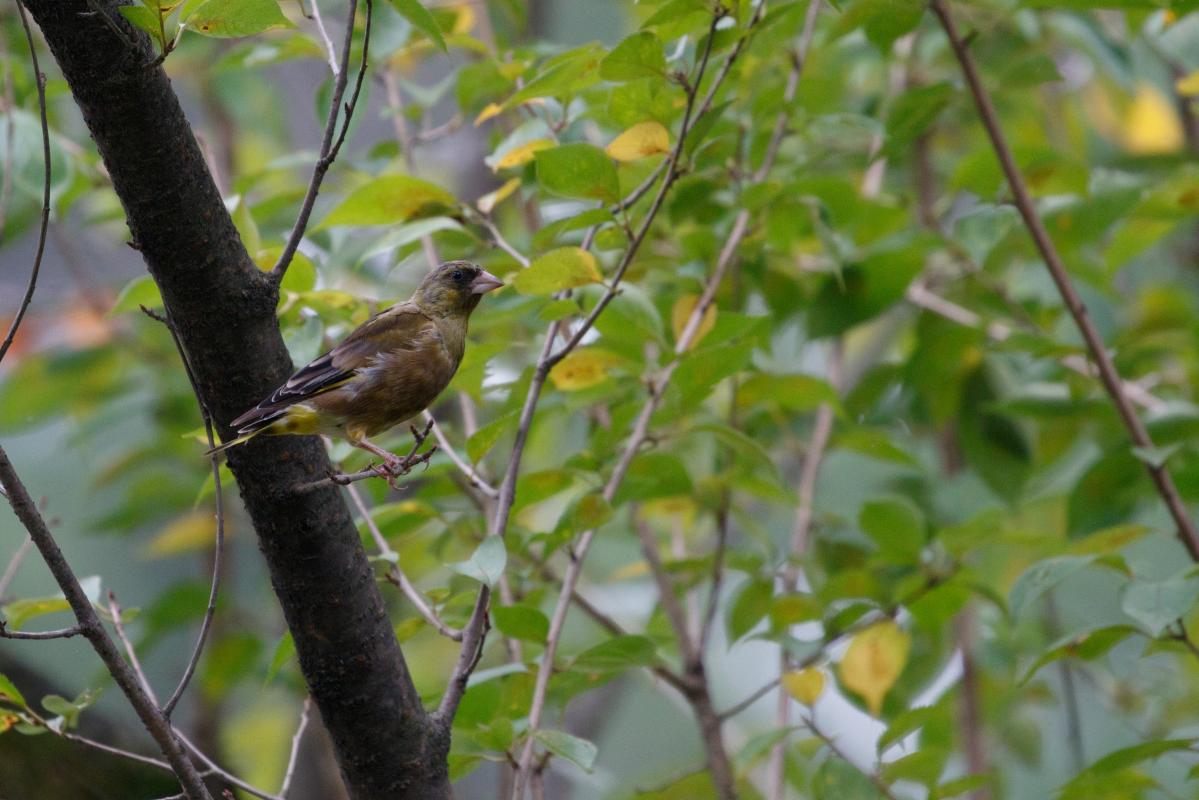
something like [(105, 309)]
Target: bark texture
[(223, 308)]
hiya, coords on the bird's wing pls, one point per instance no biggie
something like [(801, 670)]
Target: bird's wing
[(401, 327)]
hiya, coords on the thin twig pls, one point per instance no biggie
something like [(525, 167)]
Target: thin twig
[(14, 564), (324, 35), (212, 768), (396, 573), (147, 710), (405, 465), (116, 751), (472, 475), (61, 633), (918, 294), (831, 744), (500, 241), (293, 758), (758, 694), (10, 127), (118, 625), (395, 99), (670, 603), (329, 147), (40, 80), (219, 543), (822, 430), (1108, 373)]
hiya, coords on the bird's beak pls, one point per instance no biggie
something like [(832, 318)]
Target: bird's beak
[(485, 282)]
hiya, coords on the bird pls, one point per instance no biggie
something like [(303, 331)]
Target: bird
[(388, 370)]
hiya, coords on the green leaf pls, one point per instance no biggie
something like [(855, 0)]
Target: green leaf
[(618, 653), (897, 527), (699, 373), (231, 18), (837, 779), (564, 268), (549, 233), (912, 114), (653, 475), (1040, 578), (422, 20), (9, 692), (1156, 457), (591, 511), (578, 751), (486, 564), (796, 393), (578, 170), (863, 290), (959, 786), (907, 722), (638, 56), (390, 199), (753, 602), (18, 612), (982, 228), (141, 291), (1129, 756), (562, 76), (1086, 645), (1161, 604), (482, 440), (285, 651), (143, 19), (883, 21), (521, 622), (69, 710)]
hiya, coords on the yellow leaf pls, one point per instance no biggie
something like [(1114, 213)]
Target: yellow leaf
[(635, 569), (806, 685), (1188, 85), (582, 369), (490, 110), (873, 662), (641, 140), (492, 199), (679, 508), (521, 154), (192, 531), (464, 18), (1151, 125), (681, 313)]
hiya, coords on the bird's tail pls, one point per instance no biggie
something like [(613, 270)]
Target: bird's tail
[(223, 446)]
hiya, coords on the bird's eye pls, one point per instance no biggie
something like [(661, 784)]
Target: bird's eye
[(457, 275)]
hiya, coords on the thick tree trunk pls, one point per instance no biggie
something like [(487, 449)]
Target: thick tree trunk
[(224, 310)]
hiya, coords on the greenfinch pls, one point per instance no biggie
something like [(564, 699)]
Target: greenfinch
[(387, 371)]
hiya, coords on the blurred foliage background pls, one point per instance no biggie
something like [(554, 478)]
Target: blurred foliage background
[(986, 597)]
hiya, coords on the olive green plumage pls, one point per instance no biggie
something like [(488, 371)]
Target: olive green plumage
[(385, 372)]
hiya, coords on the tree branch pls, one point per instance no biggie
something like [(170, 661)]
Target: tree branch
[(918, 294), (305, 711), (396, 574), (329, 147), (90, 627), (219, 544), (31, 287), (61, 633), (476, 480), (1108, 374)]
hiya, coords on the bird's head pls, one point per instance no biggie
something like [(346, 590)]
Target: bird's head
[(455, 287)]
